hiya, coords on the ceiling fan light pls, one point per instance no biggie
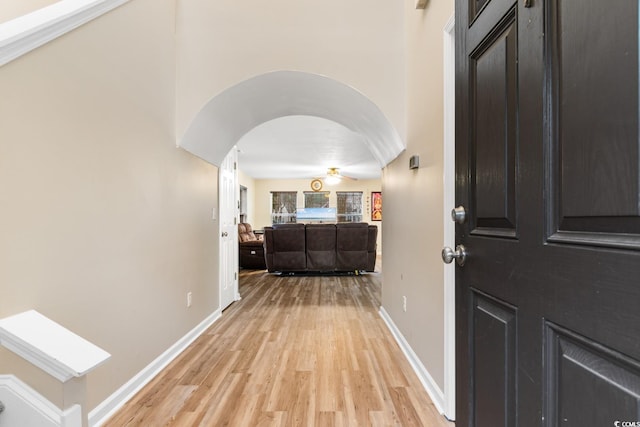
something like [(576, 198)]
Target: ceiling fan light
[(332, 179)]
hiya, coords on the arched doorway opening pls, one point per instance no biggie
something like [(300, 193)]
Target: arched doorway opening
[(236, 111)]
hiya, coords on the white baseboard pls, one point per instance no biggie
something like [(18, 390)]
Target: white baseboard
[(109, 406), (429, 384)]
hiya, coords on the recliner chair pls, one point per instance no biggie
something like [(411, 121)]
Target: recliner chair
[(251, 248)]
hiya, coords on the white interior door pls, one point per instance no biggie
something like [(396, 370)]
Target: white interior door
[(228, 197)]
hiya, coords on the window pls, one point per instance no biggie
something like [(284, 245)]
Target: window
[(316, 199), (283, 206), (349, 206)]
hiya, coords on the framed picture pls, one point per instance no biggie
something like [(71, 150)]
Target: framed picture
[(376, 206)]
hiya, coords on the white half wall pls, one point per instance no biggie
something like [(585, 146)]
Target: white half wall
[(23, 406)]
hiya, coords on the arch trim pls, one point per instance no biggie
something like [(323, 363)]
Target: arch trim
[(228, 116)]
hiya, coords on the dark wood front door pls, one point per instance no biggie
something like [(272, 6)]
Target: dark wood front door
[(547, 167)]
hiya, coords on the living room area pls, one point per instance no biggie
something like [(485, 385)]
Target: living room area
[(271, 205)]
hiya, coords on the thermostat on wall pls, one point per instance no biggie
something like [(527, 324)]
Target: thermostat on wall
[(414, 162)]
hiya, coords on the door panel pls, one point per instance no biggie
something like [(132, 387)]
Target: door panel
[(594, 81), (547, 165), (494, 81), (493, 356), (609, 382)]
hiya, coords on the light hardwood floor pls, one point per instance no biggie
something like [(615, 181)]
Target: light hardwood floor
[(295, 351)]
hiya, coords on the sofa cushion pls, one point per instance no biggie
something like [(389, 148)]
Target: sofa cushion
[(288, 247), (351, 246), (321, 247)]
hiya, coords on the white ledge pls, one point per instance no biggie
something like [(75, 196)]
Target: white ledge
[(25, 33), (48, 345)]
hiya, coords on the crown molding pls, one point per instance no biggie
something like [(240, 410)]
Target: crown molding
[(26, 33)]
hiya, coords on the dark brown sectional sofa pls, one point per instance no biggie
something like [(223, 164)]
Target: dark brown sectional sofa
[(341, 247)]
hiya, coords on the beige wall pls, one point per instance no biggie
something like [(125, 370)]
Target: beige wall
[(264, 187), (10, 9), (413, 233), (105, 224), (224, 42)]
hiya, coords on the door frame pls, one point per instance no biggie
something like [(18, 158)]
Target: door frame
[(449, 175)]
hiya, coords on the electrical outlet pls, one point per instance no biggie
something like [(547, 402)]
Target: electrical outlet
[(190, 299), (404, 303)]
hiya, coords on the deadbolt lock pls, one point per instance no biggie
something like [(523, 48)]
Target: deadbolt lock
[(459, 215)]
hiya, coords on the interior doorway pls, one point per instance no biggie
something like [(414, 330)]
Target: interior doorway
[(228, 205), (243, 204)]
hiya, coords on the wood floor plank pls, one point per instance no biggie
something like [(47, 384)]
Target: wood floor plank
[(294, 351)]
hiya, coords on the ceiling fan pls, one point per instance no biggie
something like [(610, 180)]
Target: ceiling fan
[(334, 176)]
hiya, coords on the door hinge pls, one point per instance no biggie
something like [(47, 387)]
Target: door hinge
[(235, 221), (235, 165), (235, 276)]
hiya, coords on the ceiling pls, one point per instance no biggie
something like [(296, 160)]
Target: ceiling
[(294, 147)]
